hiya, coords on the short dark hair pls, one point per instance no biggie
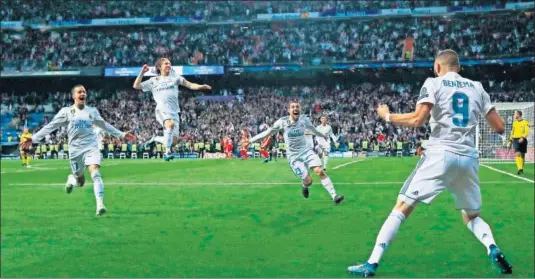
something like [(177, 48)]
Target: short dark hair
[(76, 86), (296, 101), (449, 58), (519, 112)]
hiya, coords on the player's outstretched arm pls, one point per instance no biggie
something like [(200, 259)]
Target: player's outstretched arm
[(59, 120), (268, 133), (195, 86), (139, 78), (413, 119), (110, 130), (313, 130)]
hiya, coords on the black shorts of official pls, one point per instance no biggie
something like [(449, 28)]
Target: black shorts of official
[(26, 150), (520, 147)]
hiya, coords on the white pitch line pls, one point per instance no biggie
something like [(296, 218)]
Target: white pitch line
[(345, 164), (510, 174), (238, 183)]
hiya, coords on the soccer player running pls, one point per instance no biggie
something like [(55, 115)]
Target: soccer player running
[(83, 145), (519, 137), (164, 88), (450, 160), (264, 148), (300, 155), (25, 152), (244, 144), (325, 144)]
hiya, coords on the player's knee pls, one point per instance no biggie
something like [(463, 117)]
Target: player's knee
[(469, 215), (319, 171), (170, 124), (307, 181)]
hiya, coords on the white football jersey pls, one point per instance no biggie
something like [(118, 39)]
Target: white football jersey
[(100, 136), (310, 141), (457, 105), (80, 131), (294, 134), (164, 91), (328, 131)]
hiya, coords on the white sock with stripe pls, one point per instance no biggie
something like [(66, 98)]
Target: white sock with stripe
[(386, 234), (98, 188), (329, 187), (482, 231)]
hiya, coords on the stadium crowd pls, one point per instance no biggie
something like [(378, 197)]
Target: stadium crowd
[(350, 110), (15, 10), (302, 42)]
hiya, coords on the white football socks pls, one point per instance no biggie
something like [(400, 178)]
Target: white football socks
[(482, 231), (386, 234), (325, 161), (168, 137), (72, 180), (329, 187), (98, 188)]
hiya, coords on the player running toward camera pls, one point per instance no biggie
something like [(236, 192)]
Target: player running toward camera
[(25, 152), (519, 138), (83, 145), (164, 88), (450, 160), (300, 156), (325, 144)]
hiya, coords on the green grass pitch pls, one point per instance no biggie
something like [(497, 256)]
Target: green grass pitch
[(216, 218)]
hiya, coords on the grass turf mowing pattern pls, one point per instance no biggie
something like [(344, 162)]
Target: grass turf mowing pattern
[(187, 229)]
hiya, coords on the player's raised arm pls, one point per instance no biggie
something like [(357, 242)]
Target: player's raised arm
[(426, 101), (110, 130), (194, 86), (312, 129), (269, 132), (59, 120), (139, 78)]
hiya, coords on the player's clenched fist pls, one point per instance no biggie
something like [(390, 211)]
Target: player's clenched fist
[(145, 68), (382, 111)]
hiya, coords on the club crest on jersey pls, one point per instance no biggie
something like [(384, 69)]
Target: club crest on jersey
[(423, 94), (90, 116), (72, 111)]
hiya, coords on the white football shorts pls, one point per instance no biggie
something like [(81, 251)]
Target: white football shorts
[(90, 157), (161, 116), (439, 170), (325, 145), (301, 164)]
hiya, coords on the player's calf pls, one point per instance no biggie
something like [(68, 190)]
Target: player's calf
[(98, 188), (328, 185), (80, 180), (307, 181)]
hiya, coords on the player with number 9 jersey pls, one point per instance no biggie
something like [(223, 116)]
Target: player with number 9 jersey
[(454, 105), (458, 103)]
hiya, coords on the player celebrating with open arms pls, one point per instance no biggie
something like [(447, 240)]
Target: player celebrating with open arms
[(83, 144), (164, 88), (450, 161), (300, 155)]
